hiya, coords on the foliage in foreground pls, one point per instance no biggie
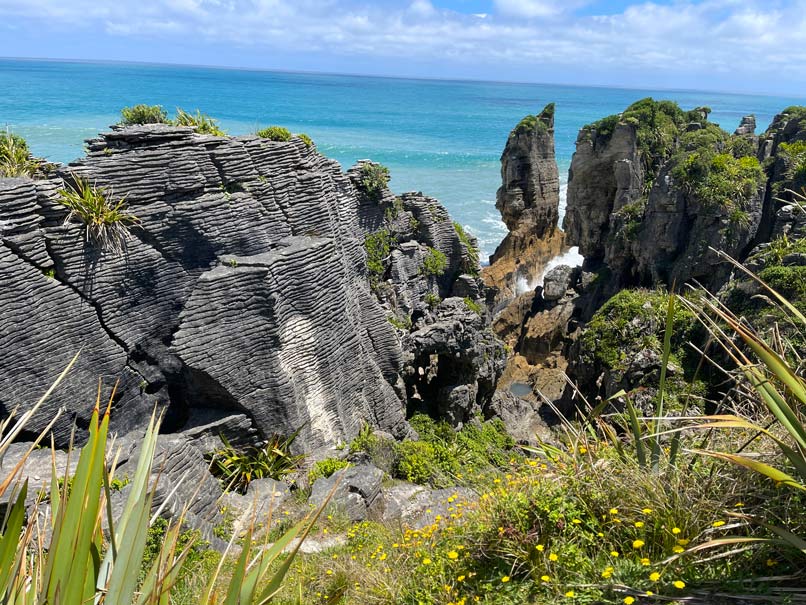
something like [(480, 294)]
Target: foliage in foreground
[(106, 222), (15, 157), (74, 561), (235, 467)]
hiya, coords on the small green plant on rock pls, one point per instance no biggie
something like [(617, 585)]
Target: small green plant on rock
[(275, 133), (106, 222), (15, 158), (473, 306), (434, 263), (432, 300), (200, 122), (325, 468), (305, 139), (236, 468), (143, 114), (378, 246), (471, 264), (374, 179)]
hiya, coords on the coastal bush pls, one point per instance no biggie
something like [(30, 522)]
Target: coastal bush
[(200, 122), (432, 300), (535, 122), (473, 306), (374, 178), (434, 263), (305, 139), (143, 114), (403, 323), (471, 263), (275, 133), (719, 180), (236, 468), (15, 157), (106, 222), (325, 468), (794, 156), (378, 246)]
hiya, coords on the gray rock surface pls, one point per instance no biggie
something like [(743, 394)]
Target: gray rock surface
[(243, 290), (357, 490)]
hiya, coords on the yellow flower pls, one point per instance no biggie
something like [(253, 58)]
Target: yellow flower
[(540, 547), (570, 594), (460, 579), (637, 543), (426, 561), (576, 521), (645, 561), (646, 511), (545, 578), (607, 572), (553, 557), (614, 553), (683, 541), (629, 600), (649, 593), (654, 576), (679, 584), (678, 549), (676, 530), (453, 555), (582, 449), (613, 511), (505, 579), (329, 572), (718, 523), (771, 562), (639, 524)]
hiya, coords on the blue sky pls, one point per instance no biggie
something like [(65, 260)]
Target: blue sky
[(734, 45)]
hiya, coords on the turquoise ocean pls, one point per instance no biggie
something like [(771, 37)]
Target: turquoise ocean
[(443, 138)]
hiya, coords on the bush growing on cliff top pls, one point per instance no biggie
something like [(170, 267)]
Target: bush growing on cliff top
[(535, 122), (305, 139), (275, 133), (471, 266), (15, 158), (200, 122), (719, 180), (373, 180), (143, 114)]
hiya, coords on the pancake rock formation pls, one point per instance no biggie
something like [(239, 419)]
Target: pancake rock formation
[(251, 285)]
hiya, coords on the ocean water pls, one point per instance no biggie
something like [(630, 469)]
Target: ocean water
[(443, 138)]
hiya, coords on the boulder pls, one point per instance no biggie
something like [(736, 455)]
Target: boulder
[(357, 490)]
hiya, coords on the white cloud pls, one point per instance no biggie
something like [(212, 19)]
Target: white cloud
[(745, 39)]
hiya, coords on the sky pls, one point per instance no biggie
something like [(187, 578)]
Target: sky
[(727, 45)]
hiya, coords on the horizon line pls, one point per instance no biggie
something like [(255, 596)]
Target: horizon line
[(387, 76)]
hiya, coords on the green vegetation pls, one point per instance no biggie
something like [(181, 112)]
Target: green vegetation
[(473, 306), (76, 561), (202, 123), (432, 300), (305, 139), (434, 263), (794, 155), (471, 263), (535, 122), (275, 133), (374, 178), (325, 468), (401, 324), (143, 114), (719, 180), (236, 468), (378, 246), (106, 222), (15, 158)]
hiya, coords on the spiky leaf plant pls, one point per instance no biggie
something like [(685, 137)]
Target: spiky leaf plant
[(15, 157), (106, 222)]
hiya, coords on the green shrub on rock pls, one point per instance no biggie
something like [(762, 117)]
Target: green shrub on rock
[(143, 114), (325, 468), (15, 157), (200, 122), (275, 133), (374, 179), (378, 246), (719, 180), (305, 139), (434, 263)]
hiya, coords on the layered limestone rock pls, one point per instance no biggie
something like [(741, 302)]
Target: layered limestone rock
[(528, 200), (653, 190), (245, 289)]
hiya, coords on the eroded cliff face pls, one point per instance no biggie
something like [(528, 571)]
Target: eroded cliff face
[(528, 200), (244, 289)]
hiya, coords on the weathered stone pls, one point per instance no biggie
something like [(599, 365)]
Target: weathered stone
[(557, 281), (357, 489)]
